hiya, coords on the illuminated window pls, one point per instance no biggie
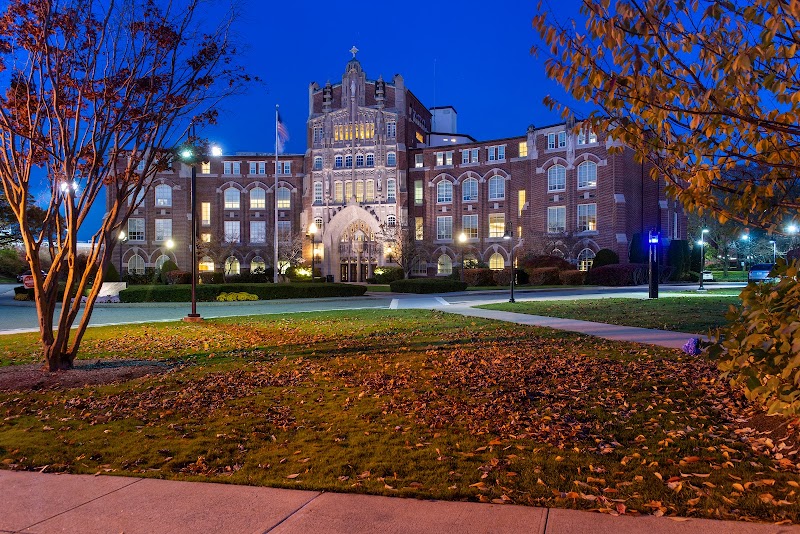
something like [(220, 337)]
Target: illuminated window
[(419, 137), (232, 198), (444, 191), (348, 191), (496, 262), (419, 228), (205, 238), (497, 188), (205, 167), (585, 259), (444, 227), (497, 224), (369, 191), (205, 213), (136, 264), (520, 201), (163, 195), (469, 225), (469, 190), (556, 178), (587, 175), (523, 149), (418, 161), (418, 192), (556, 219), (232, 266), (587, 217), (338, 192), (444, 266), (359, 191), (206, 264), (258, 199), (258, 264), (284, 198)]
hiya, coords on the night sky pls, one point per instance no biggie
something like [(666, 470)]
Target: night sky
[(479, 52)]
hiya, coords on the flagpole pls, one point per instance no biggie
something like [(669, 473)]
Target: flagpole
[(275, 198)]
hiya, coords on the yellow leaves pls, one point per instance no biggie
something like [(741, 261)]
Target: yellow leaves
[(738, 487)]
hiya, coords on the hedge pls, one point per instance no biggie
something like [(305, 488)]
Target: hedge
[(544, 276), (628, 274), (605, 256), (540, 261), (209, 292), (479, 277), (427, 285), (572, 278)]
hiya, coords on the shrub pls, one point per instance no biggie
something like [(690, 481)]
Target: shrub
[(10, 263), (209, 292), (387, 275), (757, 350), (678, 258), (605, 256), (168, 267), (149, 277), (630, 274), (479, 277), (528, 262), (427, 285), (214, 277), (503, 278), (638, 253), (572, 278), (112, 275), (544, 276), (230, 297), (179, 277), (257, 276), (21, 296)]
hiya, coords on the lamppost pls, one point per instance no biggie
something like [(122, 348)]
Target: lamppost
[(653, 239), (702, 243), (746, 239), (191, 155), (312, 231), (462, 239), (122, 238), (774, 250), (792, 231), (509, 236)]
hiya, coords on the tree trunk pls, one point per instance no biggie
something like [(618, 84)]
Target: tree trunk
[(57, 359)]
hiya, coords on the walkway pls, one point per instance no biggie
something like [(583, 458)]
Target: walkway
[(43, 503)]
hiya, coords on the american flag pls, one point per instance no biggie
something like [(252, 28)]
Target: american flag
[(283, 134)]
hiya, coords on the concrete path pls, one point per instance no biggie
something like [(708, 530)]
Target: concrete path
[(44, 503)]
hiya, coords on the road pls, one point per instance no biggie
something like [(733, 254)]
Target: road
[(21, 316)]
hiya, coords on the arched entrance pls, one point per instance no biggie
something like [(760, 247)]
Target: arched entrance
[(358, 252)]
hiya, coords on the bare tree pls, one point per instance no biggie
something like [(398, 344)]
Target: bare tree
[(290, 250), (406, 250), (93, 91)]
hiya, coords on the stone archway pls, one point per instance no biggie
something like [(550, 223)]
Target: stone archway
[(351, 245)]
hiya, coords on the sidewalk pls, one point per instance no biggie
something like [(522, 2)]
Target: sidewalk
[(44, 503)]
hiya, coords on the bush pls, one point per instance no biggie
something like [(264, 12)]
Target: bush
[(179, 277), (479, 277), (168, 267), (638, 253), (257, 276), (231, 297), (630, 274), (502, 278), (544, 276), (572, 278), (21, 296), (10, 263), (678, 258), (605, 256), (529, 262), (758, 348), (214, 277), (427, 285), (112, 275), (149, 277), (209, 292), (387, 275)]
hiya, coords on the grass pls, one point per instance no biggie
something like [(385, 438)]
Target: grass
[(681, 314), (733, 276), (378, 288), (406, 403), (8, 280)]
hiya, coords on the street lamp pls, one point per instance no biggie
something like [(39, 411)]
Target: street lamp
[(462, 239), (509, 236), (122, 238), (312, 231), (774, 250), (702, 244), (746, 239)]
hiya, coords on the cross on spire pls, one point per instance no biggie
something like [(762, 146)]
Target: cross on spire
[(354, 51)]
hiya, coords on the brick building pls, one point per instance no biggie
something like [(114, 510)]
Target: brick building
[(378, 158)]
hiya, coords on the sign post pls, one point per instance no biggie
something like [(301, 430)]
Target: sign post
[(27, 281)]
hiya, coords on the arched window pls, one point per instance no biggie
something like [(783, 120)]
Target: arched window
[(469, 190), (337, 162), (161, 261), (232, 265), (284, 198), (163, 195), (258, 263), (444, 191), (585, 259), (496, 262), (556, 178), (348, 161), (391, 220), (444, 266), (470, 261), (232, 198), (318, 222), (360, 160), (587, 174), (136, 264), (370, 160), (317, 163), (497, 188), (391, 159), (258, 199), (206, 264)]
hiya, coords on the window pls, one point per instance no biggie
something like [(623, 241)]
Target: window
[(475, 153), (587, 217), (161, 261), (317, 192), (496, 153), (369, 191), (391, 190), (556, 219), (136, 264), (360, 191), (206, 264), (370, 160), (556, 178), (439, 159), (262, 167), (163, 229), (391, 159), (338, 192), (253, 167), (497, 188), (497, 224), (231, 167), (205, 238), (232, 231), (232, 198), (496, 262), (140, 166), (444, 266), (420, 268), (391, 220), (317, 163), (258, 264), (391, 130), (136, 229), (163, 195), (317, 134), (469, 190), (444, 191), (501, 152), (444, 158), (205, 167), (469, 225), (232, 266), (492, 153), (284, 230), (258, 232), (551, 141), (587, 174), (348, 162), (585, 259), (418, 190), (360, 160), (523, 149), (586, 137), (444, 227), (284, 167), (562, 139), (418, 162), (465, 156), (284, 198), (258, 199), (337, 162), (348, 190), (520, 201), (419, 228), (205, 213)]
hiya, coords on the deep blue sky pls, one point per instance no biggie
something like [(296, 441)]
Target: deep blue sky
[(480, 52)]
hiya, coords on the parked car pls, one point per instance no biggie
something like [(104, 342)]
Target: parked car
[(760, 272), (708, 276), (26, 273)]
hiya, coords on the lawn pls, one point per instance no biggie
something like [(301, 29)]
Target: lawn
[(410, 403), (680, 314)]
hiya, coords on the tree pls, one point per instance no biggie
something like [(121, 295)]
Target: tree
[(707, 91), (290, 250), (406, 251), (91, 90), (10, 235)]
